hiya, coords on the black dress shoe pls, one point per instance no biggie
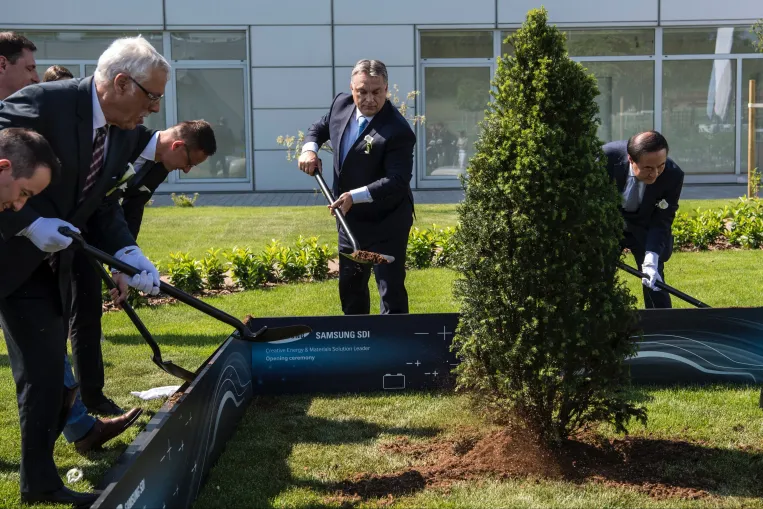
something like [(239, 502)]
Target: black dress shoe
[(101, 405), (63, 495)]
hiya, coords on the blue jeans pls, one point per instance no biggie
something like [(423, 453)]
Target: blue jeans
[(79, 422)]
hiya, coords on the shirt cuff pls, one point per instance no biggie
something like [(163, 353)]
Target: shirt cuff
[(651, 259), (310, 146), (361, 195), (149, 153)]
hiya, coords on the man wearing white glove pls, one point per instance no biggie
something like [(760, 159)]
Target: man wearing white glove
[(93, 124), (650, 184)]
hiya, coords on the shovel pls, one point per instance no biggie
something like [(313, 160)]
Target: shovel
[(168, 366), (264, 335), (357, 255), (662, 286)]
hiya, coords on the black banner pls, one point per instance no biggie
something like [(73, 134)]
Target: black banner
[(167, 463), (412, 352)]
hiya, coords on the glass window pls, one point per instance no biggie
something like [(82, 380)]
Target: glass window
[(456, 44), (208, 45), (72, 45), (72, 68), (752, 69), (698, 114), (156, 121), (626, 97), (506, 47), (705, 41), (587, 43), (217, 96), (455, 99)]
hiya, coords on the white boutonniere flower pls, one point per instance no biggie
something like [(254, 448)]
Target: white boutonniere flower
[(662, 204), (122, 184), (369, 143)]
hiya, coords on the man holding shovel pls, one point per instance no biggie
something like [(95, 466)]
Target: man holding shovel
[(373, 166), (650, 184)]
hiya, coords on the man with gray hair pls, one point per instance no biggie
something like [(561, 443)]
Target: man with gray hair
[(373, 166), (90, 124)]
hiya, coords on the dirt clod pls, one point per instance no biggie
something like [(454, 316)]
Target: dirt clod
[(368, 256)]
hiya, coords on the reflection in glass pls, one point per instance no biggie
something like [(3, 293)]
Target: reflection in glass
[(752, 69), (208, 45), (456, 44), (584, 43), (626, 97), (698, 114), (455, 99), (706, 41), (217, 96), (73, 45)]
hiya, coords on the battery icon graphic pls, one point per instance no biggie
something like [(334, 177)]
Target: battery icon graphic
[(393, 382)]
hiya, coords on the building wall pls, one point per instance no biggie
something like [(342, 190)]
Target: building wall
[(301, 51)]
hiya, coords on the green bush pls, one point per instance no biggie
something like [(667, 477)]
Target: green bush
[(292, 264), (545, 323), (185, 272), (446, 246), (182, 200), (247, 269), (317, 257), (270, 258), (421, 248), (213, 270)]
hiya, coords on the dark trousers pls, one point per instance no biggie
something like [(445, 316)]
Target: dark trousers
[(85, 328), (390, 278), (34, 327), (652, 299)]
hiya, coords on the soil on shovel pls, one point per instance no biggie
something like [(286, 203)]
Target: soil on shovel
[(368, 256), (654, 467)]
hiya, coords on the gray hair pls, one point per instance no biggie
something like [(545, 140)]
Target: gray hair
[(130, 55), (370, 67)]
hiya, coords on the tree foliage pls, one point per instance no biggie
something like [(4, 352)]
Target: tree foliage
[(545, 323)]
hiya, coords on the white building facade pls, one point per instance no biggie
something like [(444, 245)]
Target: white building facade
[(258, 69)]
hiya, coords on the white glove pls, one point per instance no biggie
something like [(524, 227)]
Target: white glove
[(43, 233), (649, 267), (147, 281)]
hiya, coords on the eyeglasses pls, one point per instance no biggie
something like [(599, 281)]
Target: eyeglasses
[(151, 97)]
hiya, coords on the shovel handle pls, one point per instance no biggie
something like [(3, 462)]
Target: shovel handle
[(662, 286), (170, 290), (330, 197)]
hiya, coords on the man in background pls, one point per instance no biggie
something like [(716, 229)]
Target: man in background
[(17, 64)]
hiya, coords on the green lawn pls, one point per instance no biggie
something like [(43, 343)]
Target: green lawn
[(313, 443)]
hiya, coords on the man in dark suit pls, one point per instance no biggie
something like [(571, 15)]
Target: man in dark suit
[(27, 166), (182, 147), (650, 184), (90, 123), (373, 166)]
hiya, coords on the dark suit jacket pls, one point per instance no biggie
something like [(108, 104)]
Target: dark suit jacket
[(138, 192), (62, 111), (387, 170), (650, 225)]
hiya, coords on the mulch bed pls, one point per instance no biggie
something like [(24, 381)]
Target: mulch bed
[(655, 467)]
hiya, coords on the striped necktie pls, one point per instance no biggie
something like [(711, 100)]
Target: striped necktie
[(96, 165)]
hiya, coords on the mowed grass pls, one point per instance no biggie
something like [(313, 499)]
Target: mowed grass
[(285, 454)]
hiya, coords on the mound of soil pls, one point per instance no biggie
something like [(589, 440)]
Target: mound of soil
[(654, 467)]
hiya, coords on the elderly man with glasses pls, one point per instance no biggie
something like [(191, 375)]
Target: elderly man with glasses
[(91, 125)]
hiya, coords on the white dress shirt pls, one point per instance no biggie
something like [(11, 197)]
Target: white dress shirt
[(361, 194), (148, 154)]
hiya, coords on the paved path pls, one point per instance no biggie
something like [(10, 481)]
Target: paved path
[(704, 191)]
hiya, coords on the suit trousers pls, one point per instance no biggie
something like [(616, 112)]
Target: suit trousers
[(85, 327), (653, 299), (33, 323), (390, 278)]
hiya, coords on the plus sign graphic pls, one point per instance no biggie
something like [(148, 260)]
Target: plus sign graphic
[(168, 455), (445, 333), (190, 418)]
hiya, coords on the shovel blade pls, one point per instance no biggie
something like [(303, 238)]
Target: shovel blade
[(369, 258), (268, 334)]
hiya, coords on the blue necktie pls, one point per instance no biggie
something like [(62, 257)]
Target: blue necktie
[(361, 126), (631, 200)]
